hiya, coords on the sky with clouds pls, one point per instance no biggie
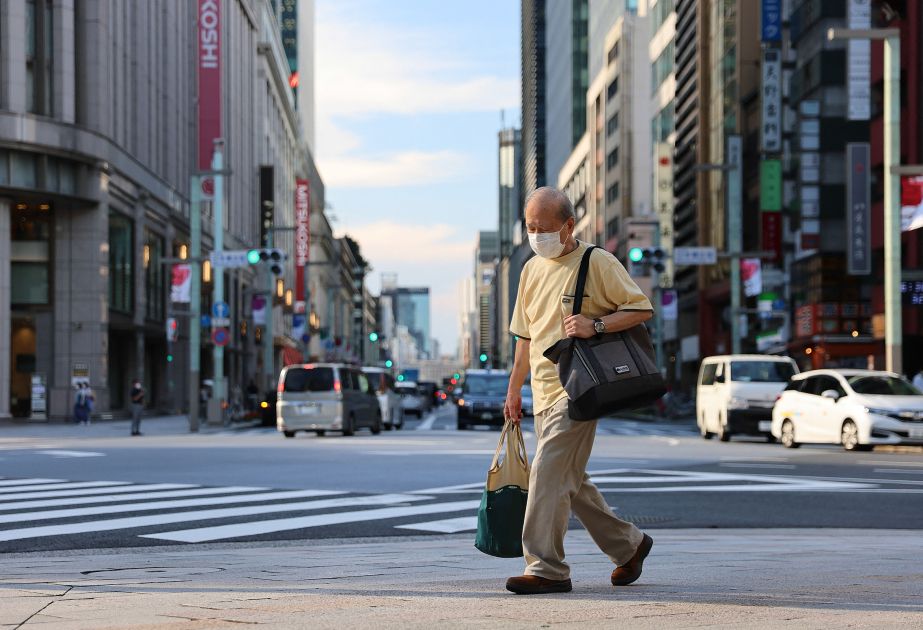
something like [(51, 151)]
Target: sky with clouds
[(409, 95)]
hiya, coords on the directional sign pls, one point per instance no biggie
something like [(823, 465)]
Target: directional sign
[(221, 309), (229, 258), (221, 336), (695, 256)]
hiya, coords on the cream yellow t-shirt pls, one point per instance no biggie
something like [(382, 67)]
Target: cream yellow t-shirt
[(545, 298)]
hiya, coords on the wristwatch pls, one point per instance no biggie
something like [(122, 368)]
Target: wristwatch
[(599, 325)]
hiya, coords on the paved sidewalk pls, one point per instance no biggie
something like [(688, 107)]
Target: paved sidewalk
[(153, 425), (705, 578)]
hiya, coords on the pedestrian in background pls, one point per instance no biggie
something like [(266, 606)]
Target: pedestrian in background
[(82, 404), (918, 379), (558, 482), (137, 406)]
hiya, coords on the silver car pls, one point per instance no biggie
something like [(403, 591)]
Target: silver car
[(411, 401), (323, 397)]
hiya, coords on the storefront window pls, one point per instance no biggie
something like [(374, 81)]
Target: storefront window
[(121, 284), (154, 276), (29, 255)]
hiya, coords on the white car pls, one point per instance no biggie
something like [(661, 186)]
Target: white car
[(855, 408), (411, 403)]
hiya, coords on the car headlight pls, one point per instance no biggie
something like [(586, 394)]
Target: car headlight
[(738, 403), (890, 413)]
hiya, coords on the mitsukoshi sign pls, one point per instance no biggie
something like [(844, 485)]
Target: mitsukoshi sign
[(208, 62)]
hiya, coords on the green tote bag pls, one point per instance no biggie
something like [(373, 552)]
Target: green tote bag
[(503, 504)]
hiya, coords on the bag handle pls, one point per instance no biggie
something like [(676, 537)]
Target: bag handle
[(511, 432), (581, 280)]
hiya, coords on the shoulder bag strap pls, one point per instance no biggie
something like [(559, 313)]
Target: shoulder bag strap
[(581, 280)]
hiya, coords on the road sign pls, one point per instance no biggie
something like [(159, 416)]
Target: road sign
[(695, 256), (230, 258), (221, 309), (221, 336)]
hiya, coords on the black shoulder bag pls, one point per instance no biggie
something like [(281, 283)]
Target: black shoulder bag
[(606, 373)]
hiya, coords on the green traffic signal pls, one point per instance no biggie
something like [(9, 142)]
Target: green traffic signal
[(483, 358), (635, 254), (169, 358), (373, 337), (253, 256), (389, 363), (400, 378), (456, 376)]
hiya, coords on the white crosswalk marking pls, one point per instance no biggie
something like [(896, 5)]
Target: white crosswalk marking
[(27, 482), (445, 526), (135, 496), (107, 489), (64, 486), (222, 532), (201, 515), (19, 517)]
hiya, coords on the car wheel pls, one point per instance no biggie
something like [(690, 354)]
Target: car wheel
[(703, 431), (723, 433), (376, 427), (320, 433), (349, 427), (288, 434), (400, 425), (849, 437), (788, 435)]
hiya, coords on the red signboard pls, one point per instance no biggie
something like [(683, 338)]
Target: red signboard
[(771, 233), (208, 62), (302, 234)]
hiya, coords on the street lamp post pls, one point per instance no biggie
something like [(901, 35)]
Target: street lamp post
[(892, 206)]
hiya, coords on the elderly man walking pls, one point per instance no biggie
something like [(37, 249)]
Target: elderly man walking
[(558, 482)]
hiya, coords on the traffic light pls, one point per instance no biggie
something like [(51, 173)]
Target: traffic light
[(273, 256), (172, 329), (635, 254), (400, 378), (373, 337), (483, 357), (456, 376), (389, 364), (652, 258), (169, 358)]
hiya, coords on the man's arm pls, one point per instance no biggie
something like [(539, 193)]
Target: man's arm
[(512, 408), (580, 326)]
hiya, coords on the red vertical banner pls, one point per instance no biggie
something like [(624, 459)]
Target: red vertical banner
[(208, 62), (302, 238), (771, 234)]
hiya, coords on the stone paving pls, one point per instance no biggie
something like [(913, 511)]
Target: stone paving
[(693, 578)]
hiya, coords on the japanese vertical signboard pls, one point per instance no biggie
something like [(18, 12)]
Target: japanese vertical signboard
[(663, 203), (858, 212), (181, 284), (771, 185), (289, 28), (771, 233), (302, 238), (859, 63), (771, 122), (771, 20), (208, 63)]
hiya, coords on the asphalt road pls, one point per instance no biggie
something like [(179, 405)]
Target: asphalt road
[(101, 490)]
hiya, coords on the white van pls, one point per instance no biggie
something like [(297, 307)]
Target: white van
[(735, 393)]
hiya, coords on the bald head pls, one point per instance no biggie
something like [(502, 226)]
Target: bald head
[(547, 203)]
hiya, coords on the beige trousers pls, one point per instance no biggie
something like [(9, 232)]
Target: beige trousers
[(558, 484)]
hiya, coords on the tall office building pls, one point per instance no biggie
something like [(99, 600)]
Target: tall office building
[(486, 258), (509, 197), (533, 95), (566, 80), (410, 307)]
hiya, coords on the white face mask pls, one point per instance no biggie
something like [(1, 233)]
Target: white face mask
[(547, 244)]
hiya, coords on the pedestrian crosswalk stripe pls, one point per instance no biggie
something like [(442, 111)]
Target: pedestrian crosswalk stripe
[(19, 517), (222, 532), (108, 488), (63, 486), (115, 498), (27, 482), (445, 526), (201, 515)]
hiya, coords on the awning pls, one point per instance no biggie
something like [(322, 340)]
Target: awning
[(291, 356)]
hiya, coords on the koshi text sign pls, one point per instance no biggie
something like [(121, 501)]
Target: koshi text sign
[(209, 71), (302, 234)]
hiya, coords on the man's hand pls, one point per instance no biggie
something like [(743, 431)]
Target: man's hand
[(512, 408), (579, 326)]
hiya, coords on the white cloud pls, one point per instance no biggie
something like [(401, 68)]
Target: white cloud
[(389, 245), (409, 168)]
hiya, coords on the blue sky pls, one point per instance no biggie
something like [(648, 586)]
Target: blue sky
[(409, 94)]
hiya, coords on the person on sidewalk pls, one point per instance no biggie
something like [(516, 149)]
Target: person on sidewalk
[(82, 403), (558, 482), (918, 379), (137, 406)]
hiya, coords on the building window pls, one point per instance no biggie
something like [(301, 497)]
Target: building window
[(613, 52), (613, 124), (154, 276), (660, 12), (662, 124), (612, 159), (612, 193), (39, 55), (613, 88), (662, 67), (121, 283), (30, 238)]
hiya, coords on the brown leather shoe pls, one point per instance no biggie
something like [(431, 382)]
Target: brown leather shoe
[(631, 570), (535, 585)]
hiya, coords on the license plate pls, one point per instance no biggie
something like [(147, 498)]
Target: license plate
[(765, 425), (916, 433), (487, 416), (308, 409)]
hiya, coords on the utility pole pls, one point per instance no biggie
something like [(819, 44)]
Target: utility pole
[(734, 186), (218, 390), (195, 299), (268, 344)]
